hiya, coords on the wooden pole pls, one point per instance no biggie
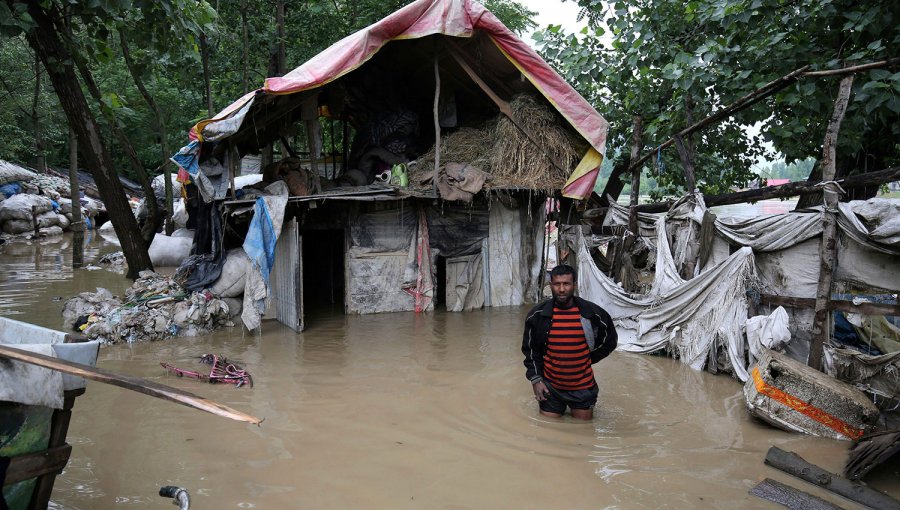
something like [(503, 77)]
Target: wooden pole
[(828, 250), (437, 122), (77, 225), (128, 382), (795, 465), (783, 191), (790, 497), (623, 261)]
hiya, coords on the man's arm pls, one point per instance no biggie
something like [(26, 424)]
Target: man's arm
[(606, 338), (533, 350)]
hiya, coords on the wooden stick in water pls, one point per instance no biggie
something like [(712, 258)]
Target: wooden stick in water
[(128, 382)]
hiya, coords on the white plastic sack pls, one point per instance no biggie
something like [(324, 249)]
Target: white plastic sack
[(247, 180), (179, 214), (14, 173), (183, 232), (168, 251), (17, 226), (159, 186), (91, 207), (19, 207), (234, 274), (767, 332), (107, 227), (47, 219), (64, 221)]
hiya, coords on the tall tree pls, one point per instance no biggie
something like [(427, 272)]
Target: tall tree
[(43, 35), (648, 56)]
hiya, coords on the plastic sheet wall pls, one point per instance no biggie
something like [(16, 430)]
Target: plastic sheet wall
[(489, 254)]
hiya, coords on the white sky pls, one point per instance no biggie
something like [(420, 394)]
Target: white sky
[(553, 12)]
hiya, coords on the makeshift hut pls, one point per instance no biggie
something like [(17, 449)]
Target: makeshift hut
[(454, 132)]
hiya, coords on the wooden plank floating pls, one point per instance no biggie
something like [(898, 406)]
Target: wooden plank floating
[(131, 383), (792, 498), (795, 465)]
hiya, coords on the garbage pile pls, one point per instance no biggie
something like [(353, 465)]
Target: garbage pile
[(31, 201), (154, 308)]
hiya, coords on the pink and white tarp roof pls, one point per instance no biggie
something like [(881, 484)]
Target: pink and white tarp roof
[(456, 18)]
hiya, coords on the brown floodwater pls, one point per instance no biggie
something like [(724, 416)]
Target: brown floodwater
[(399, 411)]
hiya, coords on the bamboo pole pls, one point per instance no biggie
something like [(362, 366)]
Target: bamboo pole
[(128, 382)]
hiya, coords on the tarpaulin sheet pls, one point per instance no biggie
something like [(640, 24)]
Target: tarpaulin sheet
[(691, 319), (456, 18), (259, 244)]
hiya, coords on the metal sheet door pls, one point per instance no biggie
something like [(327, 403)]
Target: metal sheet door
[(286, 279)]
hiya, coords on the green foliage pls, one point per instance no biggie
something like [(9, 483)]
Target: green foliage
[(662, 53), (163, 36), (16, 96)]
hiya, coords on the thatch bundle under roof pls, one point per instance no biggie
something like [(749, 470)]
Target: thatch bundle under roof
[(500, 148)]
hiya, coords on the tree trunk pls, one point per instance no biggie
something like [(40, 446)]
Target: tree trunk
[(161, 125), (149, 229), (624, 261), (279, 25), (821, 322), (685, 146), (77, 225), (207, 86), (614, 185), (44, 39), (245, 47), (40, 163)]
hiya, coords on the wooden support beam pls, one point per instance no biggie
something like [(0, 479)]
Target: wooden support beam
[(59, 427), (781, 191), (828, 252), (834, 305), (795, 465), (33, 465)]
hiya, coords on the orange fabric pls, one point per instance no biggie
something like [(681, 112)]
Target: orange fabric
[(804, 408)]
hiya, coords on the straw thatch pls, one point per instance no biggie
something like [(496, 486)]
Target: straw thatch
[(504, 151), (518, 161)]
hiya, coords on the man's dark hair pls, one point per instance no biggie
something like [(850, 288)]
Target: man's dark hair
[(564, 269)]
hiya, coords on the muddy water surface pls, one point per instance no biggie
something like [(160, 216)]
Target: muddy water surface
[(402, 411)]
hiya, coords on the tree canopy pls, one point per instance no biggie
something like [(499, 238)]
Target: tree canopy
[(164, 41), (675, 62)]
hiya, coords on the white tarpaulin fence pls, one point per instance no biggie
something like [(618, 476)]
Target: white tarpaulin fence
[(691, 319)]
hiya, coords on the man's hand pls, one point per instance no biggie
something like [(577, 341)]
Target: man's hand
[(540, 391)]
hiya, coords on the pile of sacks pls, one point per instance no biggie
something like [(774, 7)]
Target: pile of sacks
[(19, 213), (27, 198), (154, 308)]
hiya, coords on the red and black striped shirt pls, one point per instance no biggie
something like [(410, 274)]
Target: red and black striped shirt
[(567, 360)]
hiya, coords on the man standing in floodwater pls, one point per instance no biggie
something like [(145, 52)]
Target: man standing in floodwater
[(563, 337)]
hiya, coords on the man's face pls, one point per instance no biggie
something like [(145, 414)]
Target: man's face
[(563, 288)]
